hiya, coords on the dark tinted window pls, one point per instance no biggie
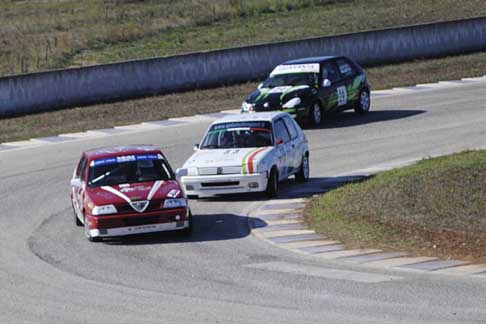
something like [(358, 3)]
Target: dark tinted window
[(330, 71), (291, 127), (346, 68), (281, 131), (79, 168)]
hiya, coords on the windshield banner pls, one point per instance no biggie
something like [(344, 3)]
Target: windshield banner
[(296, 68), (126, 158)]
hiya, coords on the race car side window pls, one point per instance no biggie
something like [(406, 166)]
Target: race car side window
[(330, 72), (346, 69), (79, 169), (281, 131), (83, 169), (291, 127)]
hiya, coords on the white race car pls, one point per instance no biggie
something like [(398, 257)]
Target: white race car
[(246, 153)]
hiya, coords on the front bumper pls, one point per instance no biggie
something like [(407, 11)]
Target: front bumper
[(207, 186), (138, 223)]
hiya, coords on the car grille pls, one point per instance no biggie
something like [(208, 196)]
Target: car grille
[(220, 184), (219, 170), (125, 208)]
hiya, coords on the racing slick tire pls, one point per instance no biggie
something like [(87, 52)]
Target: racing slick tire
[(315, 115), (272, 184), (304, 170), (78, 222), (364, 103), (188, 230), (88, 236)]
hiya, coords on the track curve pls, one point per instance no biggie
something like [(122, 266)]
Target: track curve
[(50, 274)]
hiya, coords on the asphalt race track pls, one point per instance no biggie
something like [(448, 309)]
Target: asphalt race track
[(49, 273)]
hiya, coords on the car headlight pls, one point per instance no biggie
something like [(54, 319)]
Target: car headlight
[(246, 107), (292, 102), (103, 210), (175, 203), (182, 172)]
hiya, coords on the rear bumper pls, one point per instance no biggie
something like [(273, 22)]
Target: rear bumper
[(208, 186), (138, 223)]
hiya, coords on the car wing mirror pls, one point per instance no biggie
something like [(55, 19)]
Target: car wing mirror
[(76, 182), (279, 141), (196, 147), (326, 83)]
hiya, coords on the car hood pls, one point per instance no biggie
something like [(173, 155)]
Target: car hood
[(227, 157), (123, 193), (277, 95)]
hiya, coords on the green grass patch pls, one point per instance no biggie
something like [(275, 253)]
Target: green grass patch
[(435, 207), (40, 35), (212, 100)]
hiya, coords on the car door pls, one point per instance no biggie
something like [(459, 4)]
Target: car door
[(332, 90), (348, 74), (294, 154), (283, 143)]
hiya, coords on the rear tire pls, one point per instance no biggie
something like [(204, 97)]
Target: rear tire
[(272, 184), (304, 170), (364, 103), (188, 230)]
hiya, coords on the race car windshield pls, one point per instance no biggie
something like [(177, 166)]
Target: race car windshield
[(128, 169), (291, 79), (238, 135)]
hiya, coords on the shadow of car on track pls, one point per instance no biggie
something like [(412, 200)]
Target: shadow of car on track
[(206, 227), (350, 118), (217, 227)]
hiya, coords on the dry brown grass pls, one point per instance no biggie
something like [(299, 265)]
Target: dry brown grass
[(434, 208)]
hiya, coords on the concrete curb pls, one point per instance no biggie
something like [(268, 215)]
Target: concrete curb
[(286, 229)]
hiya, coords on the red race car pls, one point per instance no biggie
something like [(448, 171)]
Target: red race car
[(127, 190)]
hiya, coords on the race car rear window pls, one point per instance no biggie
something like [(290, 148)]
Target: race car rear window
[(128, 169), (238, 135)]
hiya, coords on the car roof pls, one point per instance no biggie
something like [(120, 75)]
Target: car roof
[(258, 116), (307, 60), (104, 152)]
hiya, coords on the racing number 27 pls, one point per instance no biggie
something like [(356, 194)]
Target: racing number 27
[(342, 96)]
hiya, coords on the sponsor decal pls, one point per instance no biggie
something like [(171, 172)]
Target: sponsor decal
[(125, 158)]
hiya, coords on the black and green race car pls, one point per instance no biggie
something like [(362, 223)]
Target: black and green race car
[(312, 87)]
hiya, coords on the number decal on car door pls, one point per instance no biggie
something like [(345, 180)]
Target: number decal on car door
[(342, 96)]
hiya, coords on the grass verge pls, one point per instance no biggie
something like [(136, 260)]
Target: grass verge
[(39, 35), (204, 101), (436, 207)]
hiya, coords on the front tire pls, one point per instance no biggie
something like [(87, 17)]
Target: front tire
[(315, 114), (364, 103), (272, 184), (86, 233), (304, 170), (188, 230)]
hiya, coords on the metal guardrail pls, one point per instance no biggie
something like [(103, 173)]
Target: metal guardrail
[(31, 93)]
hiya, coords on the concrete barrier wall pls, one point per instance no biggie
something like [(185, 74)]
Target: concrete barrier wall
[(37, 92)]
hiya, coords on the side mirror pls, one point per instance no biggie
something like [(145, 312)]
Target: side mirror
[(326, 83), (279, 141), (181, 173), (76, 182), (196, 147)]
